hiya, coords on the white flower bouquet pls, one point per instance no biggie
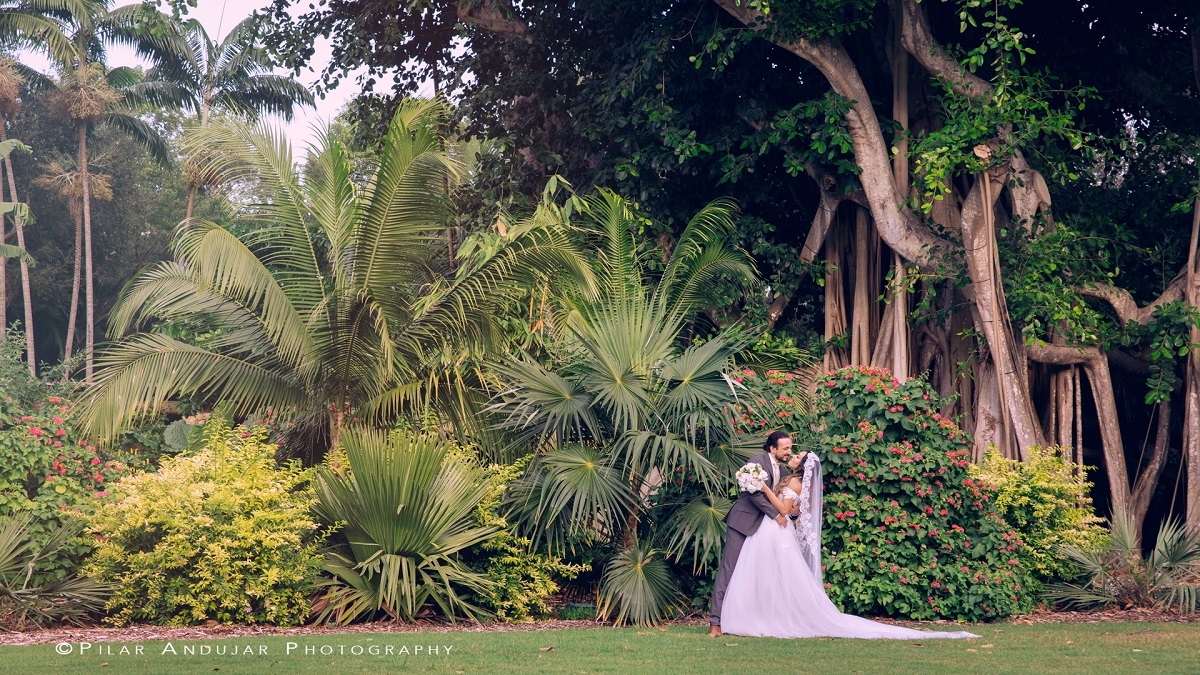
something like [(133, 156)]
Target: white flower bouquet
[(751, 478)]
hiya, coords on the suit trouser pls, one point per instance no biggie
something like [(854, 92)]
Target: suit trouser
[(729, 558)]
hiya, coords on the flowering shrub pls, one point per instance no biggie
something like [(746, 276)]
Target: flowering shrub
[(1046, 500), (222, 534), (49, 475), (908, 532), (770, 401)]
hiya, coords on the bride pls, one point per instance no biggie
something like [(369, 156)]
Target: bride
[(776, 588)]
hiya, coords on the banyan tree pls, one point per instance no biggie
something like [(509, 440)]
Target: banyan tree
[(943, 176)]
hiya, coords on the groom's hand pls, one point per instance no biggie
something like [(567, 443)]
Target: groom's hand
[(781, 519)]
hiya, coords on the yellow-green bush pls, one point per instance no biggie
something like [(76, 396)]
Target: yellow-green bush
[(521, 580), (1046, 500), (223, 534)]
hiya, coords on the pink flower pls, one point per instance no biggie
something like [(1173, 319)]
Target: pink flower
[(95, 461), (54, 399)]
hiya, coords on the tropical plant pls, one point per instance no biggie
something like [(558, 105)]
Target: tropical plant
[(907, 531), (406, 507), (223, 534), (23, 599), (195, 73), (73, 34), (50, 475), (624, 402), (1117, 573), (335, 301), (66, 182), (522, 579), (11, 80), (1045, 499)]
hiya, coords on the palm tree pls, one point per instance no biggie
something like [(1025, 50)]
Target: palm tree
[(195, 73), (10, 92), (73, 34), (336, 303), (624, 403), (67, 182)]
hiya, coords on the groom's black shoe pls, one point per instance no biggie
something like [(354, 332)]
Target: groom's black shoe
[(714, 631)]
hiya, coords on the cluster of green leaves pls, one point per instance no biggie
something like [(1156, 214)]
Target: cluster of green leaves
[(223, 534), (1045, 499), (1118, 572), (907, 531), (26, 595), (406, 505), (49, 475), (522, 579), (1042, 278), (1166, 340)]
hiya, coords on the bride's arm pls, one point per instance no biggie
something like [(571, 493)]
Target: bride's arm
[(781, 505)]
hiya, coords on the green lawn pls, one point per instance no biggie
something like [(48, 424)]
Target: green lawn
[(1042, 648)]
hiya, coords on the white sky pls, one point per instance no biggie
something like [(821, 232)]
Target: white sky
[(218, 17)]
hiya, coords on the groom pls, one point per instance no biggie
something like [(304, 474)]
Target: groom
[(745, 516)]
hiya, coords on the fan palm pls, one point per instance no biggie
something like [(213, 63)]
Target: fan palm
[(198, 74), (23, 601), (1118, 573), (625, 403), (407, 509), (336, 302)]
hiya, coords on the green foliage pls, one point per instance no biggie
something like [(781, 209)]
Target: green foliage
[(1118, 573), (26, 595), (48, 473), (1045, 499), (1168, 339), (223, 534), (335, 300), (769, 401), (522, 580), (407, 505), (907, 531), (638, 587)]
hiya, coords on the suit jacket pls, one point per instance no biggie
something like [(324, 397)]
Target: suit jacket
[(746, 513)]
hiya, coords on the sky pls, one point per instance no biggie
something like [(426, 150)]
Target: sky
[(218, 17)]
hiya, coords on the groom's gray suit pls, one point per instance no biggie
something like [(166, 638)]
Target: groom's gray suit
[(743, 520)]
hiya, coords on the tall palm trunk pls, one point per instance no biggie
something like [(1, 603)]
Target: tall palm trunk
[(76, 211), (193, 187), (89, 287), (26, 295)]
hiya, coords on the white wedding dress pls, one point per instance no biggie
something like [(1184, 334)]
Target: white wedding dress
[(776, 588)]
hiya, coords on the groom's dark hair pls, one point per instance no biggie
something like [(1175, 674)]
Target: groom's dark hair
[(774, 438)]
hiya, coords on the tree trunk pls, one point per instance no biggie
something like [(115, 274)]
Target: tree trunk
[(88, 277), (3, 276), (73, 318), (26, 291), (1147, 477), (1191, 415), (191, 204), (865, 251), (1020, 428), (900, 351), (835, 300)]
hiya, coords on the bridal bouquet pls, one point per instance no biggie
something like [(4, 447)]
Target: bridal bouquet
[(751, 478)]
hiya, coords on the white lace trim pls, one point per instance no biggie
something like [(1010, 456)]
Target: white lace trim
[(810, 541)]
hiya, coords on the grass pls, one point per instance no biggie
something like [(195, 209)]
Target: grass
[(1004, 648)]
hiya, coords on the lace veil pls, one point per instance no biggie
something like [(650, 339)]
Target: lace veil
[(808, 522)]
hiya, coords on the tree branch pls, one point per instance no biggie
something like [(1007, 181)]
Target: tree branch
[(918, 40), (494, 17), (1126, 307), (898, 226)]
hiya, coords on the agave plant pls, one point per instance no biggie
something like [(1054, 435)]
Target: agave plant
[(329, 298), (625, 402), (406, 508), (1118, 573), (70, 599)]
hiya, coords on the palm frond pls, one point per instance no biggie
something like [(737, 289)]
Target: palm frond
[(698, 527), (638, 588)]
